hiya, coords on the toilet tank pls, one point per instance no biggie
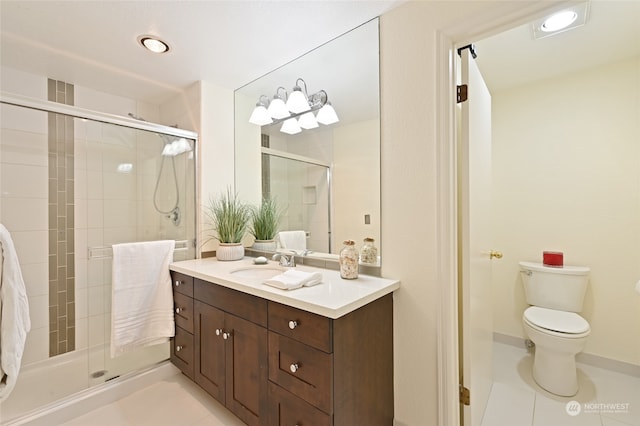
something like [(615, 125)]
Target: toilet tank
[(553, 287)]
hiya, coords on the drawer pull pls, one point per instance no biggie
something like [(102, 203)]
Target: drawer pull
[(226, 335), (178, 310), (218, 331), (178, 282), (294, 367), (293, 324), (179, 348)]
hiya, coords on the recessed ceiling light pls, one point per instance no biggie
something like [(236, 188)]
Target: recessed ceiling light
[(558, 21), (153, 44), (561, 21)]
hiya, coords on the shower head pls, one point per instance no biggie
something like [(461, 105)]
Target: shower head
[(174, 146)]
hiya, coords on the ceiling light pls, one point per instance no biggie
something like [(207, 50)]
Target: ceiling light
[(559, 21), (153, 44)]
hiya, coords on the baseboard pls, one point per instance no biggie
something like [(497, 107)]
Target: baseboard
[(583, 358)]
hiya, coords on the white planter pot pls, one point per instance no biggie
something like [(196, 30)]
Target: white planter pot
[(228, 251), (264, 245)]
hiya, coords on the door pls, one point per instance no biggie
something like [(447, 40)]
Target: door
[(475, 240), (210, 350), (247, 370)]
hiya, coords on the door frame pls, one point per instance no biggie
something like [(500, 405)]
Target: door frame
[(502, 17)]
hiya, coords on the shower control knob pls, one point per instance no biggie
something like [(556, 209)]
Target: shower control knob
[(293, 324)]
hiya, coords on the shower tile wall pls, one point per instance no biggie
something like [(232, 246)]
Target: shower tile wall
[(61, 223)]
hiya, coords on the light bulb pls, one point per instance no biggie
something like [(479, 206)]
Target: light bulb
[(327, 115), (290, 127)]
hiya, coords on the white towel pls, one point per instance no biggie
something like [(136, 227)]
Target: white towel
[(142, 298), (14, 315), (293, 240), (293, 279)]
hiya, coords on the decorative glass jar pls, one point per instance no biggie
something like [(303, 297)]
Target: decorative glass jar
[(349, 260), (369, 252)]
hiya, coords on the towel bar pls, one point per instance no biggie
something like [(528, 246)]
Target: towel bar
[(107, 252)]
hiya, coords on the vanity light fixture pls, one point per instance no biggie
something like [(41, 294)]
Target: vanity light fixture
[(260, 116), (299, 104), (277, 108), (153, 44), (291, 127), (561, 21)]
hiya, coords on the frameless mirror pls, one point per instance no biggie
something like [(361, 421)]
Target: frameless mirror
[(325, 179)]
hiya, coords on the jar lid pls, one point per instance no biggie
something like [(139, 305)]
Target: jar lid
[(369, 239), (348, 242)]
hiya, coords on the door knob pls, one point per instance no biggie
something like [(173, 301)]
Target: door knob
[(495, 254)]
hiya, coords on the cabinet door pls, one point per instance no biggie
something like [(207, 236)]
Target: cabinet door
[(210, 350), (247, 370)]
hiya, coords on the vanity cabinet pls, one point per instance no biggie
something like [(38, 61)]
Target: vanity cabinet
[(231, 349), (182, 345), (274, 364)]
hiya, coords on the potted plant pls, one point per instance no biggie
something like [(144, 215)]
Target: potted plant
[(229, 218), (265, 219)]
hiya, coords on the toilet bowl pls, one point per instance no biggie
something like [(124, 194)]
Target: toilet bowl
[(553, 325), (558, 337)]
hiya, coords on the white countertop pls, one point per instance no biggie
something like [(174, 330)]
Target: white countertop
[(333, 298)]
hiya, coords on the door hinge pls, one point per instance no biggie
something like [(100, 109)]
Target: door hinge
[(461, 93), (465, 395)]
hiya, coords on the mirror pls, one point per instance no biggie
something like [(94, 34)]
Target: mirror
[(327, 179)]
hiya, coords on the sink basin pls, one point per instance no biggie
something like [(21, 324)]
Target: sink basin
[(260, 273)]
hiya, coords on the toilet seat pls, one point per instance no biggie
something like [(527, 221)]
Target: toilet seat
[(551, 321)]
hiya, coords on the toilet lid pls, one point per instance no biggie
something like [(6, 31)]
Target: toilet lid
[(560, 321)]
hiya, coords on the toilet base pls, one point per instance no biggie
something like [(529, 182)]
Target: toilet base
[(555, 372)]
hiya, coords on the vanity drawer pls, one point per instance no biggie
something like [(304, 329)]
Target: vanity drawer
[(182, 283), (243, 305), (286, 409), (303, 370), (183, 311), (306, 327), (182, 354)]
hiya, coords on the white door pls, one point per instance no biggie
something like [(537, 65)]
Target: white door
[(475, 240)]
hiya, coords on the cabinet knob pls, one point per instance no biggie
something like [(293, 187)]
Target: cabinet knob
[(178, 310), (294, 367), (177, 283), (179, 348), (293, 324), (218, 331), (226, 335)]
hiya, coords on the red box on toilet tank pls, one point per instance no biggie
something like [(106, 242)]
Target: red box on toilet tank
[(552, 258)]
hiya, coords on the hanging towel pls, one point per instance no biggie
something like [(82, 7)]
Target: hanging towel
[(293, 279), (14, 314), (141, 295), (293, 240)]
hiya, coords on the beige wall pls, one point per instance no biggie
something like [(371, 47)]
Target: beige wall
[(566, 173)]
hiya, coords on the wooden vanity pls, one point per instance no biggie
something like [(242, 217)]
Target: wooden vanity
[(313, 356)]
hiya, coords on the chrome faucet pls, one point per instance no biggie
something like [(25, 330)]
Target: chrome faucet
[(287, 261)]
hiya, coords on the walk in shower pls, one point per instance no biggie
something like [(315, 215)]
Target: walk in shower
[(73, 183)]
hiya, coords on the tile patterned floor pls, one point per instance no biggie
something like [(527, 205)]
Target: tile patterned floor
[(605, 398)]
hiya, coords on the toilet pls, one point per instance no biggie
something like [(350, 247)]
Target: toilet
[(555, 294)]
